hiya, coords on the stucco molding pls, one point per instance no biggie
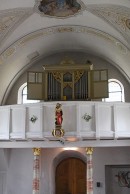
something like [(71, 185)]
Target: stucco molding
[(117, 16), (10, 19), (10, 51)]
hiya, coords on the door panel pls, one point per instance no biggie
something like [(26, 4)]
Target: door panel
[(71, 177)]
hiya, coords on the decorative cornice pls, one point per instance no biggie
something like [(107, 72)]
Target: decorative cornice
[(117, 16), (61, 29), (10, 19)]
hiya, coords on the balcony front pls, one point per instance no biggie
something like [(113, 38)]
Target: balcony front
[(83, 121)]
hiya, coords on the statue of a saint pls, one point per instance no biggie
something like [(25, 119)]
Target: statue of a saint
[(58, 115)]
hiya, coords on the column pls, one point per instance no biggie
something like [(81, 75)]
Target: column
[(89, 183), (36, 170)]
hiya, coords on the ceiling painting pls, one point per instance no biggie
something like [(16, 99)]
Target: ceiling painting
[(59, 8)]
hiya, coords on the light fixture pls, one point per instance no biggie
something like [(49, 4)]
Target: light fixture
[(70, 148)]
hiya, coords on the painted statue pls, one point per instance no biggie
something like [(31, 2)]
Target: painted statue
[(58, 115)]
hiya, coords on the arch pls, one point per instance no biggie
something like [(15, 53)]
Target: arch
[(70, 176), (22, 95), (19, 99), (116, 91), (62, 156)]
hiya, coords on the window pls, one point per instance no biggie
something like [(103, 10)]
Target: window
[(116, 91), (22, 95)]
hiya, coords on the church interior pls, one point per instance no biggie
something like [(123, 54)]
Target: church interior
[(64, 97)]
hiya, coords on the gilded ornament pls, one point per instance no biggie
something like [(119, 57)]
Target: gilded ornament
[(78, 75), (36, 151), (57, 76), (58, 133), (89, 150)]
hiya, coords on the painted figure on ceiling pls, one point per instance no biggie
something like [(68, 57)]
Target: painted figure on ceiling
[(59, 8)]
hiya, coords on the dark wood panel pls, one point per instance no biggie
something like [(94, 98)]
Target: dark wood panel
[(71, 177)]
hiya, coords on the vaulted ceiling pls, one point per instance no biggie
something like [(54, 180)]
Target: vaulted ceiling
[(98, 27)]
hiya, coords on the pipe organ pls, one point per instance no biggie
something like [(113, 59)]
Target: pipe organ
[(67, 81)]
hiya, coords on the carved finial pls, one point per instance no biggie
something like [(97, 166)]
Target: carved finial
[(36, 151), (90, 64), (67, 61), (89, 150)]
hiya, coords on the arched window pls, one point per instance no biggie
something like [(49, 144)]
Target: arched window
[(22, 95), (116, 91)]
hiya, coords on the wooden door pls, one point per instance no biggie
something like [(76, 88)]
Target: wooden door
[(71, 177)]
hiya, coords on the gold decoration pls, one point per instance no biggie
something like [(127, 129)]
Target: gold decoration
[(78, 75), (67, 61), (58, 133), (57, 76), (70, 84), (36, 151), (89, 150)]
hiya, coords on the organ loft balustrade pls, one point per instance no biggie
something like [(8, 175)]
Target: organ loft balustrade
[(82, 121)]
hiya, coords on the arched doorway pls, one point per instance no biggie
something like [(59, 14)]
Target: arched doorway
[(71, 176)]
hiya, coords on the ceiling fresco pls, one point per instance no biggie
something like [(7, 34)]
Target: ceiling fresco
[(59, 8)]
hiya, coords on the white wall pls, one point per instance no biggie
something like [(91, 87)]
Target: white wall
[(19, 173), (113, 185), (108, 156)]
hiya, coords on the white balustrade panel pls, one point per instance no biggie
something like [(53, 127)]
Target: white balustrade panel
[(104, 120), (86, 118), (122, 120), (49, 119), (34, 119), (69, 119), (4, 122), (18, 118)]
